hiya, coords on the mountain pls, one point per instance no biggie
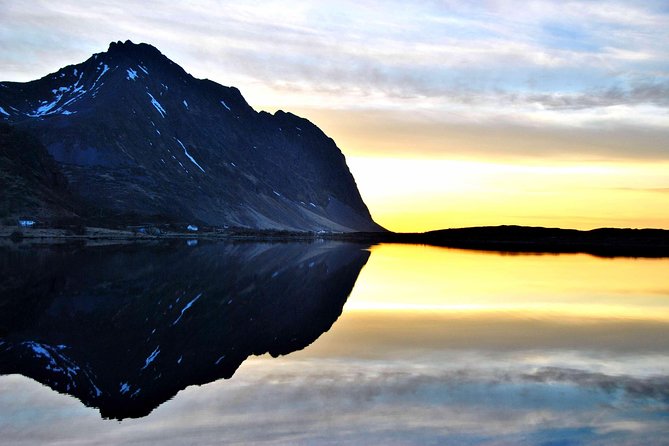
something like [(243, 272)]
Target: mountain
[(124, 328), (138, 138)]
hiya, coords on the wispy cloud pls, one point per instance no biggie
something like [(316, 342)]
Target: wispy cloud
[(656, 94)]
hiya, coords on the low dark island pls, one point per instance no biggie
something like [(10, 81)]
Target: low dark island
[(608, 242)]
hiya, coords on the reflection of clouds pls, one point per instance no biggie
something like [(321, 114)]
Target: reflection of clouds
[(370, 379), (655, 387), (288, 401)]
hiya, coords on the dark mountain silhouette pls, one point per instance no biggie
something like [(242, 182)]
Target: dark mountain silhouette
[(125, 328), (137, 135)]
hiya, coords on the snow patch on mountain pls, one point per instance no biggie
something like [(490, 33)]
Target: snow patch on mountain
[(45, 108), (105, 68), (132, 74), (189, 156), (157, 105)]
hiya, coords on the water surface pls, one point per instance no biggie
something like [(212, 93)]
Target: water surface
[(432, 346)]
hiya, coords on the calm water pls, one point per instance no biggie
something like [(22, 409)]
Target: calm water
[(382, 345)]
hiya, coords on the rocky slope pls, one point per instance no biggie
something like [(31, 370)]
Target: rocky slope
[(139, 138)]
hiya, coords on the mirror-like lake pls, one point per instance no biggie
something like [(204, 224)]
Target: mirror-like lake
[(330, 343)]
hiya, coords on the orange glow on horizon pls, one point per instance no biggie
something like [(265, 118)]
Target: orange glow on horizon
[(419, 194), (419, 170)]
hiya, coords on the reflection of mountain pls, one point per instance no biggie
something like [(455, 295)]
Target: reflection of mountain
[(125, 328)]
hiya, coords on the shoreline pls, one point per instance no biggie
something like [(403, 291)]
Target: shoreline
[(605, 242)]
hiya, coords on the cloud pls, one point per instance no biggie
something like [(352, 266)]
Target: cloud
[(558, 65), (656, 93), (493, 134)]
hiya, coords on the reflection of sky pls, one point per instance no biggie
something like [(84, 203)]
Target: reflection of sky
[(544, 374), (425, 278), (287, 401)]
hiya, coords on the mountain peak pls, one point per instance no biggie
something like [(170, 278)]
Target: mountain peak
[(131, 49), (120, 44)]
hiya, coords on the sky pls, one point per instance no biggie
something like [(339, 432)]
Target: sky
[(450, 113)]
